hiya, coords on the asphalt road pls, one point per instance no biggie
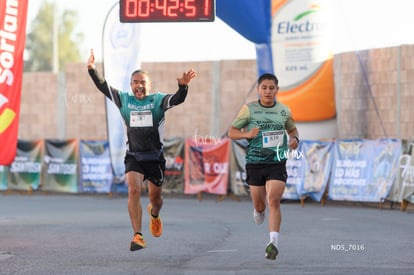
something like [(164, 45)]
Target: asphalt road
[(90, 234)]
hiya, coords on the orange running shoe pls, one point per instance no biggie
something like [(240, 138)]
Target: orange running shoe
[(155, 225), (137, 242)]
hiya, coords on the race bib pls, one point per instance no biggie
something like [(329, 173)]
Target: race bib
[(272, 138), (140, 119)]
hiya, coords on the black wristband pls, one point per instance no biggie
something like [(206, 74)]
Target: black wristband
[(297, 139)]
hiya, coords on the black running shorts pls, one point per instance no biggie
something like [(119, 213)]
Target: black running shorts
[(258, 174), (152, 170)]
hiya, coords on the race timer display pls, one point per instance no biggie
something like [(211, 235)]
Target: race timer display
[(140, 11)]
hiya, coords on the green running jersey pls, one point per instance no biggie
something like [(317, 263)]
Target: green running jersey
[(271, 144), (144, 120)]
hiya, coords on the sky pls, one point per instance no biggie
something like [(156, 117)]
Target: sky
[(358, 24), (161, 42)]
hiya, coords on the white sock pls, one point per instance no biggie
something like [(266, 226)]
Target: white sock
[(274, 237)]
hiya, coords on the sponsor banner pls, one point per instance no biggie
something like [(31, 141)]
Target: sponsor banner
[(95, 167), (301, 42), (207, 166), (25, 172), (403, 187), (238, 184), (60, 166), (174, 165), (364, 170), (121, 56), (317, 168), (12, 43), (295, 169), (3, 178), (385, 166)]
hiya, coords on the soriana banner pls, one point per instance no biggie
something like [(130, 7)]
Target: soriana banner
[(207, 165), (12, 41)]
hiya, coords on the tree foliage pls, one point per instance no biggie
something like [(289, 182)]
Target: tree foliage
[(40, 39)]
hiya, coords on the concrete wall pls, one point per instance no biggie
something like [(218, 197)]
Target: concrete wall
[(374, 91)]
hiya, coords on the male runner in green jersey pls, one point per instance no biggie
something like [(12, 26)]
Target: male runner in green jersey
[(271, 132), (143, 114)]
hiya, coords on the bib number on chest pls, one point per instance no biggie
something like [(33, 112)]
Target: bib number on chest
[(272, 138), (140, 119)]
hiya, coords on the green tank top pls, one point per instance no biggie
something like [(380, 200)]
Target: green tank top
[(271, 144)]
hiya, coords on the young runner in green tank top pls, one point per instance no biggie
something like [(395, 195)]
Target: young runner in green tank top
[(271, 132)]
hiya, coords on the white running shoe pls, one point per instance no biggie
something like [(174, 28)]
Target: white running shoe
[(258, 217)]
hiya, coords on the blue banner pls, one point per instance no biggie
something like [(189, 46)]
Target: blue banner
[(318, 157), (364, 170), (95, 167), (295, 169)]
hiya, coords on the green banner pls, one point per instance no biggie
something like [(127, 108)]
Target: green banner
[(60, 168), (174, 165), (3, 179), (25, 171)]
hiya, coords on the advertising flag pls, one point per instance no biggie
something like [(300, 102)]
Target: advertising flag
[(12, 41), (121, 48)]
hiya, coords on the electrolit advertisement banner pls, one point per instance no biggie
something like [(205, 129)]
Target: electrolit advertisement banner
[(207, 165), (301, 43), (60, 166), (95, 167), (25, 172), (293, 40)]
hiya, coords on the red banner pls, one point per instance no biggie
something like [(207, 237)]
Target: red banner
[(207, 165), (12, 41)]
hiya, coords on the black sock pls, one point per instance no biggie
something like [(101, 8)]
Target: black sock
[(153, 215), (138, 233)]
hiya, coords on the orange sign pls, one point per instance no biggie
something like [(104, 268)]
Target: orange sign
[(303, 59)]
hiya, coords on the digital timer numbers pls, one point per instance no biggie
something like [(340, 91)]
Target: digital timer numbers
[(135, 11)]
